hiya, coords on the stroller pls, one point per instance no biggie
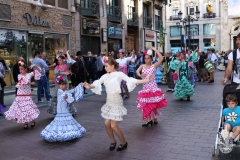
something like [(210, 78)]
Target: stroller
[(219, 145)]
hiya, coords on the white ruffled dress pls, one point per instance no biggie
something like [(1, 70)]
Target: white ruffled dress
[(113, 108)]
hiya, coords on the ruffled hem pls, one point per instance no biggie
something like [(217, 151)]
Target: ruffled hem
[(183, 89), (150, 96), (113, 112), (22, 110), (148, 109), (63, 128)]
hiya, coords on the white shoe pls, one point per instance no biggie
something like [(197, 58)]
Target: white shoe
[(238, 87), (40, 101), (224, 134)]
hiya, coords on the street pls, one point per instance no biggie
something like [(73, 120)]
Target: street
[(186, 131)]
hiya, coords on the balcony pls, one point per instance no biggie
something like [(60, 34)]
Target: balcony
[(91, 9), (209, 15), (132, 19), (173, 18), (114, 13), (158, 24), (147, 22)]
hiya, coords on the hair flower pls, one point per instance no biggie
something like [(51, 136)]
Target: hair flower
[(105, 59), (20, 63), (59, 78), (149, 52)]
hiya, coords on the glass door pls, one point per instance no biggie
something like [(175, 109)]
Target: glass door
[(35, 42)]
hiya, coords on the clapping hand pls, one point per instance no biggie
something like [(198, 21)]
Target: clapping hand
[(32, 66), (65, 97), (154, 48)]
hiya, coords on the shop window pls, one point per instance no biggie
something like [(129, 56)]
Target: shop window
[(49, 2), (209, 29), (191, 11), (54, 42), (175, 31), (5, 12), (12, 45), (63, 4)]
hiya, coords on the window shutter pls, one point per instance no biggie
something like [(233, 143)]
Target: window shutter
[(5, 12), (67, 21)]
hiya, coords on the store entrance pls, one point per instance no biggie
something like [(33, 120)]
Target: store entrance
[(35, 42)]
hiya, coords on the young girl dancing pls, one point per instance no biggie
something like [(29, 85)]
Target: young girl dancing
[(23, 109), (151, 99), (113, 109), (64, 127)]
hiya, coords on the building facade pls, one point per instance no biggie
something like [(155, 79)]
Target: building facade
[(205, 33), (29, 25), (109, 25)]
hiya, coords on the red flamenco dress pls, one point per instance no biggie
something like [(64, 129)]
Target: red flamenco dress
[(151, 99), (23, 109)]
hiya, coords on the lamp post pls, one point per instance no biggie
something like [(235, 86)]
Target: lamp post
[(187, 20), (193, 30)]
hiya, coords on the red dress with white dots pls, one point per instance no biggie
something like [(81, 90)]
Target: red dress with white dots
[(23, 109), (151, 99)]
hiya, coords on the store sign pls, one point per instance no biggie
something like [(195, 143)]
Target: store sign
[(36, 20), (90, 27), (114, 31), (150, 35)]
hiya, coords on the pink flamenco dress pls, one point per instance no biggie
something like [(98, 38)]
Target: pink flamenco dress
[(23, 109), (151, 99)]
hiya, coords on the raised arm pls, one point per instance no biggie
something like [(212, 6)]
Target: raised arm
[(138, 72), (159, 55)]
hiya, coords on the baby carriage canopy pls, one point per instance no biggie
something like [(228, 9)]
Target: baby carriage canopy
[(230, 89)]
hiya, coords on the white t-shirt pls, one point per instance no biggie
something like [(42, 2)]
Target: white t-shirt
[(212, 57), (236, 77)]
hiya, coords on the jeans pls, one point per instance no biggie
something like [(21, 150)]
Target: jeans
[(43, 83), (42, 91)]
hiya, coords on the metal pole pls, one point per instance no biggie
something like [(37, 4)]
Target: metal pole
[(189, 32)]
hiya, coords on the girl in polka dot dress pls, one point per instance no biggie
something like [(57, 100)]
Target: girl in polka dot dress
[(23, 109), (151, 99)]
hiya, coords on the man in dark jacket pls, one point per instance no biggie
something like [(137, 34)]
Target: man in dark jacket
[(169, 73), (90, 63), (81, 69), (201, 67), (16, 71)]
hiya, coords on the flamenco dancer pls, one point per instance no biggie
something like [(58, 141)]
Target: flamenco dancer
[(64, 127), (23, 109), (62, 69), (151, 99), (113, 110), (183, 88), (123, 63)]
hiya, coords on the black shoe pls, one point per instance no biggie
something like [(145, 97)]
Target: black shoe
[(112, 146), (25, 126), (210, 81), (33, 124), (199, 80), (85, 93), (155, 122), (146, 124), (188, 98), (122, 147), (169, 90)]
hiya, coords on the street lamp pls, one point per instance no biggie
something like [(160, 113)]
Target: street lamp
[(193, 30), (187, 20)]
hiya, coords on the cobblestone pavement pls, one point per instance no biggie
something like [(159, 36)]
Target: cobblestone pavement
[(186, 131)]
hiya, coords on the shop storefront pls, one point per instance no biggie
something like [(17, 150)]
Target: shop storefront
[(33, 28), (90, 35), (149, 39), (131, 39), (114, 37)]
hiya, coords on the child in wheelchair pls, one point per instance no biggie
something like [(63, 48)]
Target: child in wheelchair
[(231, 121)]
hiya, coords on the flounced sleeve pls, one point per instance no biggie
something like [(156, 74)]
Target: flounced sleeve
[(175, 65), (37, 75), (98, 85), (131, 82), (78, 92)]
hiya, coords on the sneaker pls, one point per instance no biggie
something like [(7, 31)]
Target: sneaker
[(169, 90), (40, 101), (49, 103), (229, 142)]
